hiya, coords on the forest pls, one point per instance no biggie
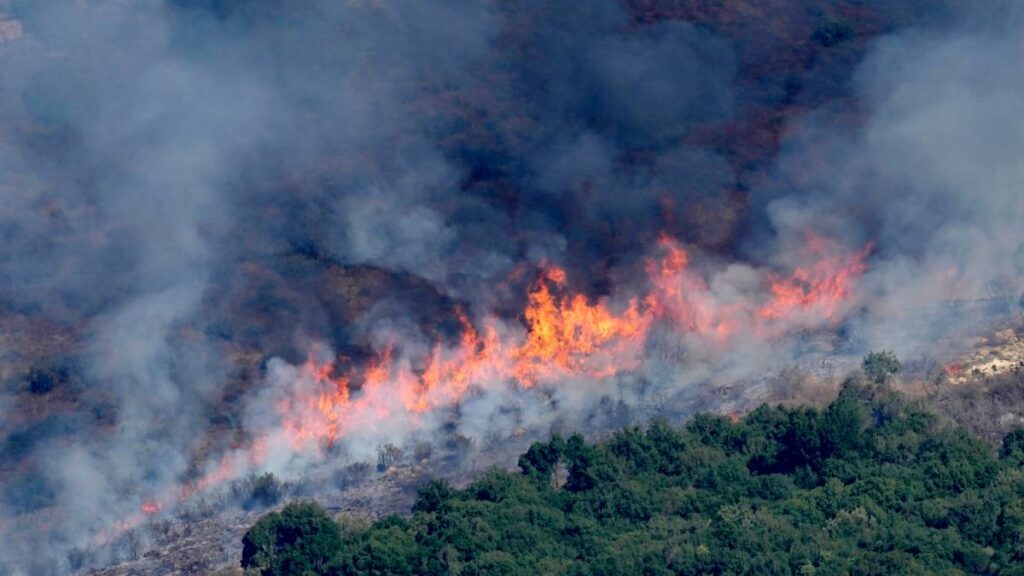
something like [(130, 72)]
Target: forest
[(872, 484)]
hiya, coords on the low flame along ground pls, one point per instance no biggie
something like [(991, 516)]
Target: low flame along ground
[(566, 336)]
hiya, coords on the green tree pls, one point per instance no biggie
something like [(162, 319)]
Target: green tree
[(540, 460), (1013, 447), (433, 497), (870, 485), (880, 366), (299, 540)]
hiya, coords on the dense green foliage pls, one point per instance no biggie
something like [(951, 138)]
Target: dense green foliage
[(301, 539), (870, 485)]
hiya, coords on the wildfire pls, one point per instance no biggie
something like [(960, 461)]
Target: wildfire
[(683, 297), (570, 335), (567, 335), (955, 370), (821, 288)]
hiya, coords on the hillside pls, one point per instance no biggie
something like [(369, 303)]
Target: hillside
[(262, 251), (871, 484)]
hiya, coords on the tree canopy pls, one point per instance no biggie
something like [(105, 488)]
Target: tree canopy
[(872, 484)]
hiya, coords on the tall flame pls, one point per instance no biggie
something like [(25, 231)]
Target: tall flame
[(565, 336)]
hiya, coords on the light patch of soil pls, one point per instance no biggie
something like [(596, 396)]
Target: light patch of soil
[(1001, 353)]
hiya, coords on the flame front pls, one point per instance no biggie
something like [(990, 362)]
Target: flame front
[(567, 339), (567, 336)]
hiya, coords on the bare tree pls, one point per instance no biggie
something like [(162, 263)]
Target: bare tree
[(387, 456)]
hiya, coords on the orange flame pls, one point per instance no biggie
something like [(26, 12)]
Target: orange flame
[(569, 335), (683, 298), (822, 287), (565, 335)]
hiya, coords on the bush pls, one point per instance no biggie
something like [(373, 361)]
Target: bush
[(352, 475), (1013, 447), (833, 32), (387, 456), (433, 496), (880, 366), (301, 539), (871, 485), (264, 491), (43, 380)]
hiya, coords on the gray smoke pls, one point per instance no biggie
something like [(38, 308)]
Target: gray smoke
[(135, 143), (933, 178)]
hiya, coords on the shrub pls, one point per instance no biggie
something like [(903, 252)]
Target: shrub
[(43, 380), (433, 496), (1013, 446), (265, 491), (300, 539), (880, 366)]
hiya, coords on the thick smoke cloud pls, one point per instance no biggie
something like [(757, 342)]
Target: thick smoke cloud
[(572, 75), (134, 144), (161, 161), (933, 177), (116, 153)]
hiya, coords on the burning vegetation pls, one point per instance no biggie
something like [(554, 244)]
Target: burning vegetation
[(568, 340), (251, 248)]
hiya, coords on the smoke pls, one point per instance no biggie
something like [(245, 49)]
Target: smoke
[(117, 153), (142, 148), (188, 186), (932, 176)]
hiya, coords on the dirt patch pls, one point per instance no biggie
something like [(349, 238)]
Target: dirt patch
[(1001, 353)]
